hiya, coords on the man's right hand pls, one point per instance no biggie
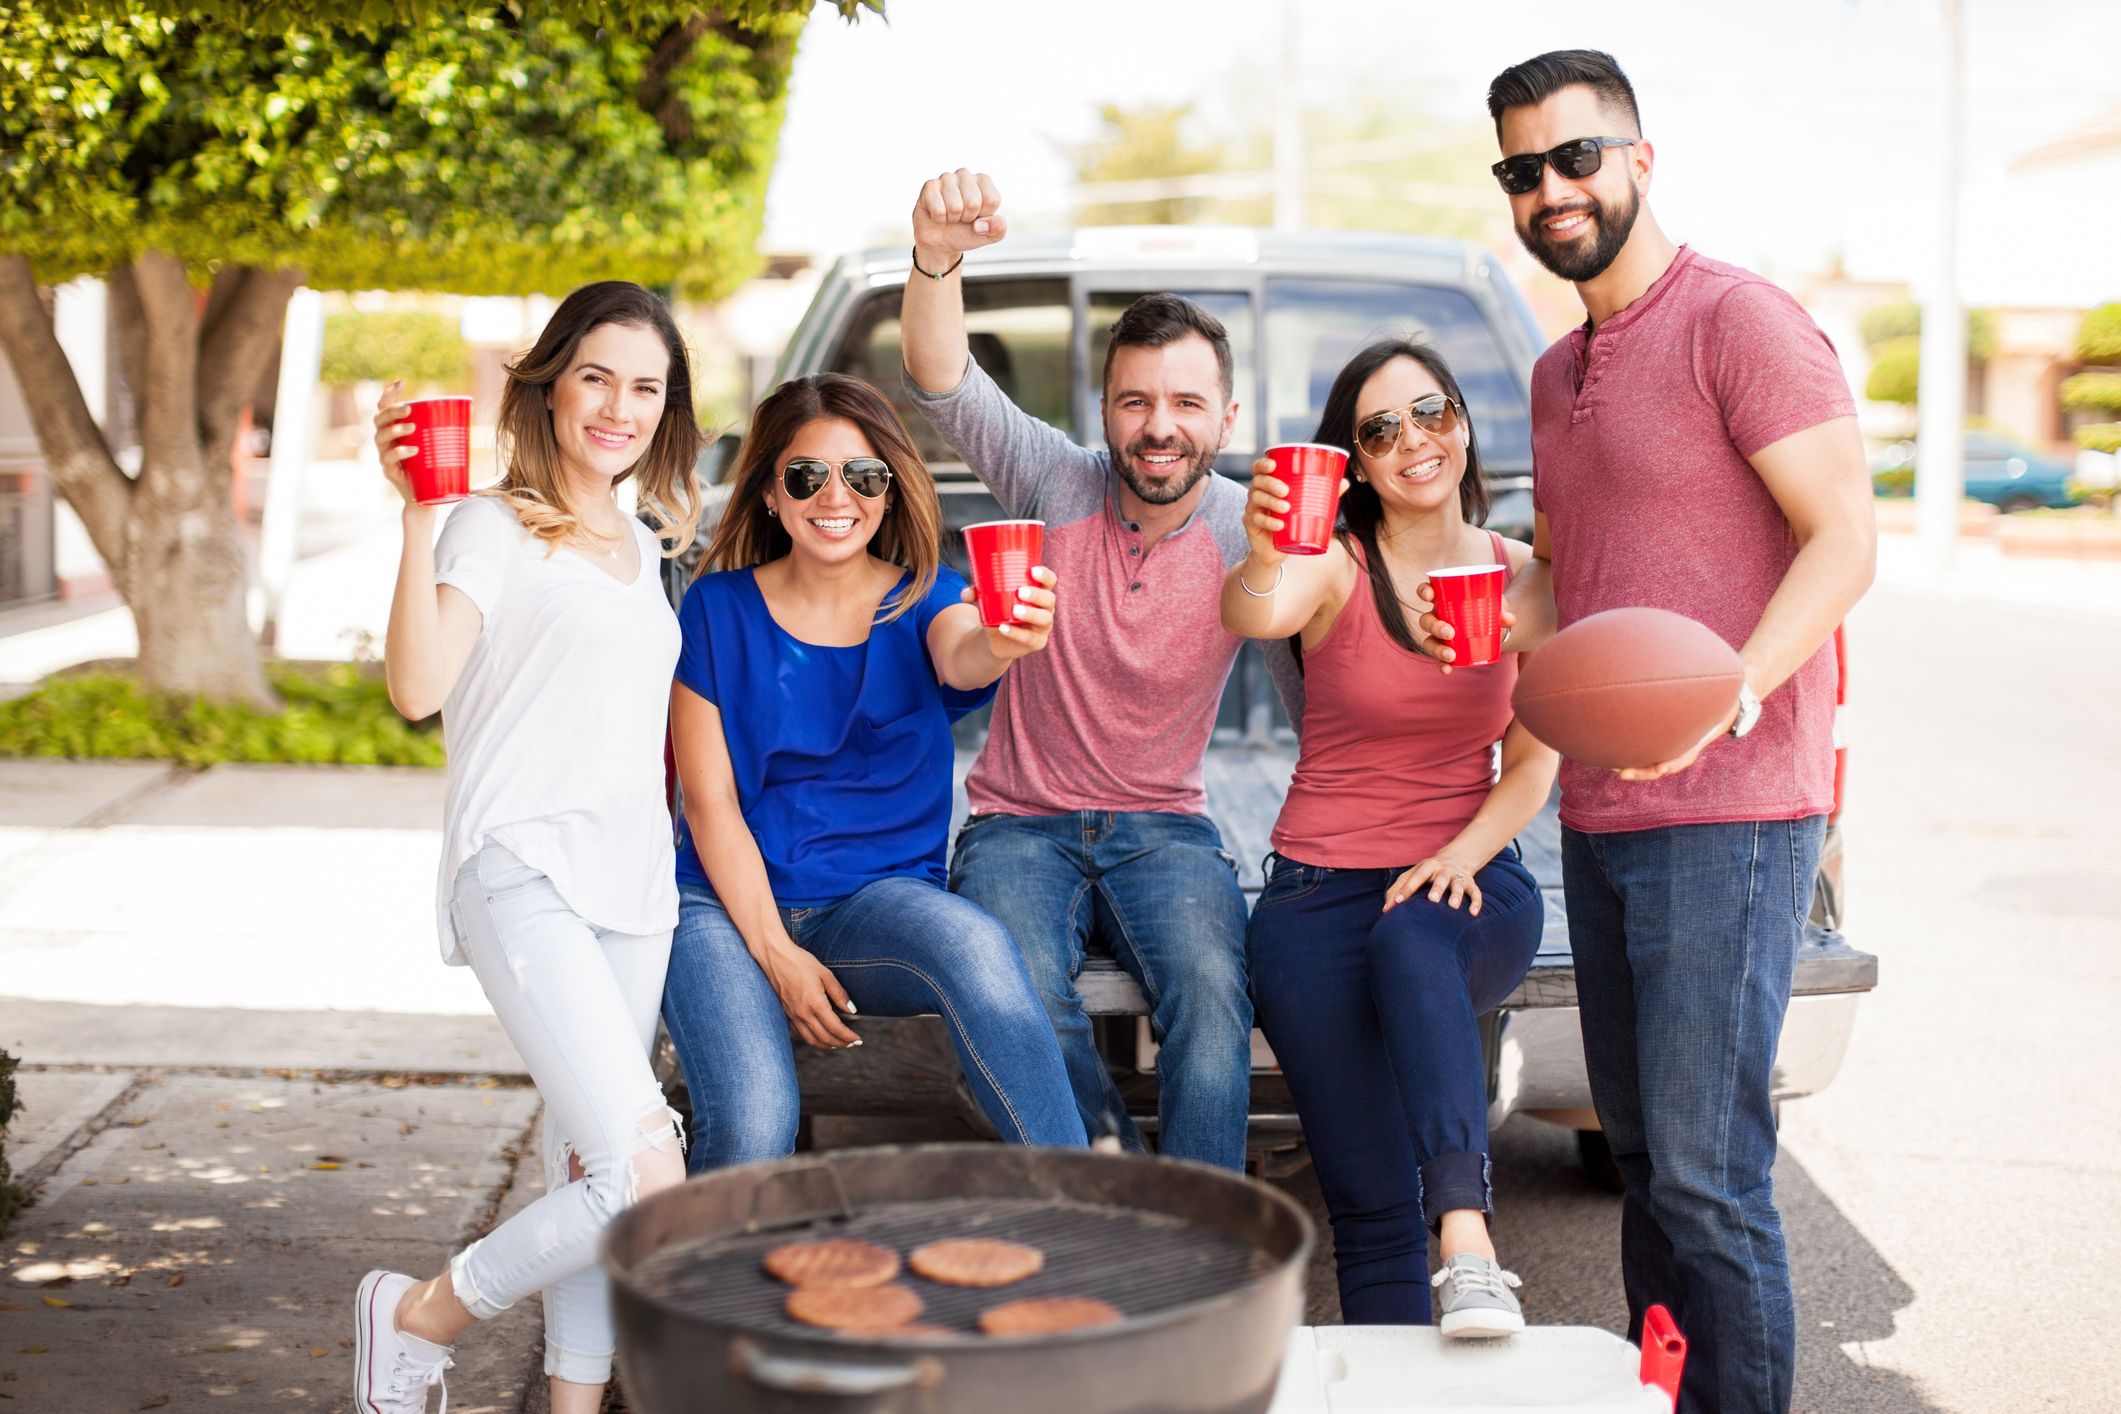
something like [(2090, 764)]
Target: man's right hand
[(956, 212)]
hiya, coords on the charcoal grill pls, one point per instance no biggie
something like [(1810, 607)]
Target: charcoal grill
[(1206, 1267)]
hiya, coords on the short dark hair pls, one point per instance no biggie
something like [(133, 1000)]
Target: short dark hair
[(1154, 321), (1540, 78)]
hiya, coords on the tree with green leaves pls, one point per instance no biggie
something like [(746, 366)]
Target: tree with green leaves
[(1893, 333), (207, 158)]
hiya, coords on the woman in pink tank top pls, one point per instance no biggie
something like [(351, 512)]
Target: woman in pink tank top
[(1397, 909)]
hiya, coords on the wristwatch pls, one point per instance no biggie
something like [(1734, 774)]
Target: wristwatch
[(1748, 710)]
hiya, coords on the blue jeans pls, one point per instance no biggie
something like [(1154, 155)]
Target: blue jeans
[(1686, 942), (1161, 891), (1373, 1018), (901, 947)]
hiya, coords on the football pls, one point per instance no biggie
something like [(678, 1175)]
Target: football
[(1628, 687)]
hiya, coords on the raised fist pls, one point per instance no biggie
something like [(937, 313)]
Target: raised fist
[(956, 212)]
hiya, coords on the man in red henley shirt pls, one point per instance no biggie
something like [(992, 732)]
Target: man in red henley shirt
[(1088, 815), (1694, 448)]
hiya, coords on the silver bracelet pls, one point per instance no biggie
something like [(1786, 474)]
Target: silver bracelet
[(1267, 593)]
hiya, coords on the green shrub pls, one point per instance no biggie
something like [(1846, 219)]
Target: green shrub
[(1889, 323), (2099, 336), (1896, 371), (2100, 436), (337, 713), (419, 348), (2093, 388), (1894, 483), (11, 1195)]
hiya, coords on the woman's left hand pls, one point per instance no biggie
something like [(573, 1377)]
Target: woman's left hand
[(1441, 874), (1033, 619)]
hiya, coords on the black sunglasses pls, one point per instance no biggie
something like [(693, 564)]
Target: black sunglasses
[(1580, 158), (866, 477), (1379, 433)]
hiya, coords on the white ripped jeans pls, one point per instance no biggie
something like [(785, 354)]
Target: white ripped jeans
[(580, 1003)]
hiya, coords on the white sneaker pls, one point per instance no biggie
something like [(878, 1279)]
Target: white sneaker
[(392, 1370), (1474, 1300)]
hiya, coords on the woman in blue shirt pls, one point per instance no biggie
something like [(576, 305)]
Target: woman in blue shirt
[(821, 669)]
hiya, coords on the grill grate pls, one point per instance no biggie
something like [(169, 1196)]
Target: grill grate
[(1140, 1262)]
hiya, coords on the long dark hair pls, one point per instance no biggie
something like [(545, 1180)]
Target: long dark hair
[(910, 535), (531, 483), (1360, 508)]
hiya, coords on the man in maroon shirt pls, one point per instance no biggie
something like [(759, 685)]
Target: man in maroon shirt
[(1695, 449)]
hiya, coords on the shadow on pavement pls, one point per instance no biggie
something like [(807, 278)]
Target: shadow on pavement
[(1561, 1234)]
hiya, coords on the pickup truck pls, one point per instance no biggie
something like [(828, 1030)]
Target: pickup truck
[(1038, 311)]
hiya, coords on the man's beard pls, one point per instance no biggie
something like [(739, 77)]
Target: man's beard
[(1192, 465), (1577, 260)]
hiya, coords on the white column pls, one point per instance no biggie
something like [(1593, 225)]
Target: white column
[(294, 406), (1940, 470), (1289, 127)]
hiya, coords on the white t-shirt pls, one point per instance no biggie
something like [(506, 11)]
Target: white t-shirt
[(555, 729)]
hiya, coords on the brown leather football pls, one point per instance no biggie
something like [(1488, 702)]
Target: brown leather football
[(1628, 687)]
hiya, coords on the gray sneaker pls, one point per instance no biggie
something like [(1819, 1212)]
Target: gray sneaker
[(1474, 1300)]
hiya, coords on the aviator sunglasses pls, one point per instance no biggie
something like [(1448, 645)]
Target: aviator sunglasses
[(866, 477), (1581, 158), (1378, 433)]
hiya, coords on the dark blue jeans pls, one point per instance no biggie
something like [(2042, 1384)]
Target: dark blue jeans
[(901, 947), (1372, 1016), (1685, 941), (1162, 892)]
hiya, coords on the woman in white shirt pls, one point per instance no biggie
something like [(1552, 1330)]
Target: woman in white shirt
[(538, 626)]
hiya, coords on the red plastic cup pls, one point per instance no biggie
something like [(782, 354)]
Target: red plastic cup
[(1312, 473), (440, 465), (1469, 599), (1002, 553)]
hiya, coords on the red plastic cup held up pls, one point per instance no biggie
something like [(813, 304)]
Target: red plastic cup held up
[(1313, 474), (440, 465), (1002, 553), (1469, 599)]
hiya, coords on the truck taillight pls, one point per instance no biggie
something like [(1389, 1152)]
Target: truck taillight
[(1841, 698)]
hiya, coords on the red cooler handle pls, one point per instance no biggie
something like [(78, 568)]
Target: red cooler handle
[(1663, 1352)]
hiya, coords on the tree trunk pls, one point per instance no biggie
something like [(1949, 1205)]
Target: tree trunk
[(169, 534)]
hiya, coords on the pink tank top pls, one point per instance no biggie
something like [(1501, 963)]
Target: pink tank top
[(1396, 757)]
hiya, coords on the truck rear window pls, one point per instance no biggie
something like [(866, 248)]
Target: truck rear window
[(1315, 326), (1020, 334)]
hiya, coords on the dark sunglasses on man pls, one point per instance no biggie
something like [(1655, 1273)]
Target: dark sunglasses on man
[(1435, 414), (1581, 158), (866, 477)]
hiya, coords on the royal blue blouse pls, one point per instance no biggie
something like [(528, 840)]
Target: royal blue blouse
[(842, 755)]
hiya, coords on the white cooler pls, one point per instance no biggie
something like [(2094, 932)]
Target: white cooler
[(1385, 1369)]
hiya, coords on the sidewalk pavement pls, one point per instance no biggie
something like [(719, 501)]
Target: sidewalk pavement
[(247, 1079)]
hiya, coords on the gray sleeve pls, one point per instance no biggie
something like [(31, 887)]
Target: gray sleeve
[(1288, 679), (1032, 467)]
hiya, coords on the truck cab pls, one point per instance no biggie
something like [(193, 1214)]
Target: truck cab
[(1297, 305)]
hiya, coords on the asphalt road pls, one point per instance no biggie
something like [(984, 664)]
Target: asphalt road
[(1953, 1202)]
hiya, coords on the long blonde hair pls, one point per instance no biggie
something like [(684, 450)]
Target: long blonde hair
[(911, 534), (532, 485)]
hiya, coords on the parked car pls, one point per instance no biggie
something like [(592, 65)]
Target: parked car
[(2007, 474), (1297, 306)]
